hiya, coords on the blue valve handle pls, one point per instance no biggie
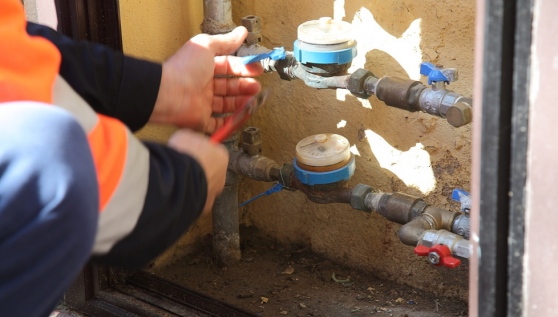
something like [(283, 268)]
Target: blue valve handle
[(275, 54), (275, 188), (433, 73), (462, 197)]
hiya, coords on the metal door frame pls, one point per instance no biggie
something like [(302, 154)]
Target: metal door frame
[(500, 156)]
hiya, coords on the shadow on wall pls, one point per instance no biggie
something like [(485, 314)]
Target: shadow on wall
[(393, 52)]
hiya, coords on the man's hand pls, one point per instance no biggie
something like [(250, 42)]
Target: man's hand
[(212, 157), (194, 84)]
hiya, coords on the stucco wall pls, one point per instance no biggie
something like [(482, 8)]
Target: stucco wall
[(154, 30), (413, 153)]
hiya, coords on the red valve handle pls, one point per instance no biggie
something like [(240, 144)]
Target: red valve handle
[(442, 251)]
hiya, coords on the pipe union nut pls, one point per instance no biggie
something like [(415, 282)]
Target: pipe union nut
[(356, 83), (358, 195), (434, 258)]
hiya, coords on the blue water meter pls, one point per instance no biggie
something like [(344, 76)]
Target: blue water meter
[(325, 42), (323, 159)]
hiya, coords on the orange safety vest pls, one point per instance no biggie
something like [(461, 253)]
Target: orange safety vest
[(29, 72)]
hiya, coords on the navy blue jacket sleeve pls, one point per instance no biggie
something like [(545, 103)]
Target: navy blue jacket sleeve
[(113, 84), (172, 205)]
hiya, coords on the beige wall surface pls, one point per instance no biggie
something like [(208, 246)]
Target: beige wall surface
[(154, 30), (396, 151)]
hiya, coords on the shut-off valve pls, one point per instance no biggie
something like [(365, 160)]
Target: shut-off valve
[(439, 255), (439, 246), (414, 96)]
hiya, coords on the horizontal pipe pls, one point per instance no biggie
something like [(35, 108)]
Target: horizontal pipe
[(413, 213), (320, 82), (257, 167)]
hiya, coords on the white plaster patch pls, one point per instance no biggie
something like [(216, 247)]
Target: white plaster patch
[(366, 103), (338, 9), (355, 151), (370, 35), (413, 166), (341, 94)]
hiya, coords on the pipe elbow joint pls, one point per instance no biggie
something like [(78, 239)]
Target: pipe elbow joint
[(411, 232), (441, 218)]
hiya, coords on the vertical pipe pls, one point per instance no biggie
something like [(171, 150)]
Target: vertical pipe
[(217, 17), (226, 238)]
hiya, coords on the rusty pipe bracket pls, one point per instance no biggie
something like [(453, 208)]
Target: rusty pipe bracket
[(251, 141), (253, 24)]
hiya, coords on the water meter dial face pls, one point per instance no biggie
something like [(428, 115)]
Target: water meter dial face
[(323, 150), (325, 31)]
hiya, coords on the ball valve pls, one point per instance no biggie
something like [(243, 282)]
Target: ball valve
[(439, 255), (441, 102)]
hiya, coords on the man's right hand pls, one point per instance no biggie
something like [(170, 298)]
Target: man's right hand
[(212, 157), (195, 82)]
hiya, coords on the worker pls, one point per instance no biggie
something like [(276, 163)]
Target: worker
[(74, 181)]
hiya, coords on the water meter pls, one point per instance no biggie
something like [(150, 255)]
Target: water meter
[(325, 47), (323, 159)]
